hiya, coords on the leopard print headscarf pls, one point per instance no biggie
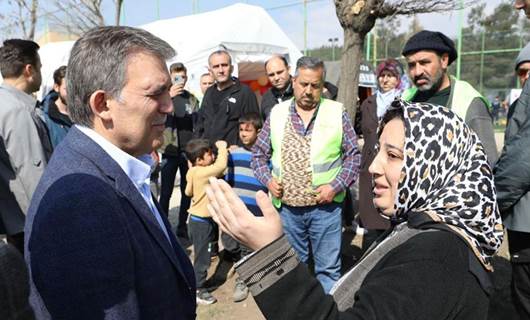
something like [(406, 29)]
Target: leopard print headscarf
[(446, 175)]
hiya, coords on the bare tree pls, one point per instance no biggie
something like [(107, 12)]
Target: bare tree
[(117, 4), (357, 18), (79, 16), (24, 17)]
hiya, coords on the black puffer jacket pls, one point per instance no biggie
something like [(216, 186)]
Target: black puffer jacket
[(512, 170), (222, 124)]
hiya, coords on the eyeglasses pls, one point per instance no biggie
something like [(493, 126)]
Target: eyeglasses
[(522, 72)]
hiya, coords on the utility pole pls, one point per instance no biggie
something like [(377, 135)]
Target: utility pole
[(305, 27), (333, 42), (460, 24)]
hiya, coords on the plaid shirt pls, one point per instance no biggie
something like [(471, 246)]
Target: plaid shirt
[(262, 150)]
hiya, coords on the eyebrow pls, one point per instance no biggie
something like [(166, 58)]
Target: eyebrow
[(159, 88), (391, 146)]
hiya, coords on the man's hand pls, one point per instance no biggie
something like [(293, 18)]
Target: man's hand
[(176, 89), (221, 144), (233, 217), (325, 194), (275, 188)]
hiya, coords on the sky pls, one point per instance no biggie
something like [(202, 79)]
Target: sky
[(322, 22)]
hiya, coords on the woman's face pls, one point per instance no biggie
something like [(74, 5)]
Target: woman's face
[(387, 81), (387, 165)]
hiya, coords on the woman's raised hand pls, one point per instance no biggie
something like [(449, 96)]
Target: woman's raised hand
[(232, 216)]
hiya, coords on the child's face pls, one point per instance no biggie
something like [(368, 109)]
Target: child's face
[(207, 159), (247, 134)]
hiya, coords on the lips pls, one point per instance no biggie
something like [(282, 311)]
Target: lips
[(161, 122), (379, 189), (519, 4)]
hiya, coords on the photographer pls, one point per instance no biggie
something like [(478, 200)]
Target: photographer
[(179, 129)]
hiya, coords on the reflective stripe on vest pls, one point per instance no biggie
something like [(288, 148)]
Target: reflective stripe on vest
[(326, 142)]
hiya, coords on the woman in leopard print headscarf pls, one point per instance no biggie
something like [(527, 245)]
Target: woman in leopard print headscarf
[(446, 177), (433, 182)]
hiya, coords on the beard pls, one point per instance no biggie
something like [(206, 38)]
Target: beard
[(63, 100), (433, 83)]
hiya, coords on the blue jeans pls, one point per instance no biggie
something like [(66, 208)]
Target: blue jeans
[(319, 226)]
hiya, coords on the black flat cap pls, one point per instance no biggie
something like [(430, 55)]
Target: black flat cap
[(430, 40)]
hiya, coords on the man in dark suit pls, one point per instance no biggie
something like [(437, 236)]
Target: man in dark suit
[(97, 245)]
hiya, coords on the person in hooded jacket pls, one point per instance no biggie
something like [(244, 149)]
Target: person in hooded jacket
[(55, 108), (435, 186)]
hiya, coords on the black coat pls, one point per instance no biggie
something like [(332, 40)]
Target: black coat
[(430, 276), (272, 97), (366, 125), (223, 123)]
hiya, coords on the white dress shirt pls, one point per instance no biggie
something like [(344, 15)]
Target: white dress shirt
[(137, 169)]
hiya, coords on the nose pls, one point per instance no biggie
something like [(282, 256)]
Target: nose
[(166, 105), (376, 168)]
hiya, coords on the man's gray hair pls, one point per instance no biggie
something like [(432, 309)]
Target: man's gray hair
[(218, 52), (312, 63), (98, 61)]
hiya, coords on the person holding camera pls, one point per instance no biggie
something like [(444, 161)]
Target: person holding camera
[(179, 130)]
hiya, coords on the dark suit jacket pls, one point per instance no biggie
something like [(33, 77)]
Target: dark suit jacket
[(94, 248)]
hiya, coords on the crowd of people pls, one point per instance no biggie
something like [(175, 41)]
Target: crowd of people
[(87, 238)]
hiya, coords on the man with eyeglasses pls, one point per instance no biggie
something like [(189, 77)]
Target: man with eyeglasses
[(512, 181)]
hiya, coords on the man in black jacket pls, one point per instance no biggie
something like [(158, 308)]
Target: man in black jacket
[(277, 70), (179, 130), (512, 181), (224, 103)]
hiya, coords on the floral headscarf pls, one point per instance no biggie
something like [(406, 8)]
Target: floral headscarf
[(447, 177)]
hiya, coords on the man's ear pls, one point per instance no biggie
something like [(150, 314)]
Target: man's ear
[(28, 71), (444, 59), (99, 104)]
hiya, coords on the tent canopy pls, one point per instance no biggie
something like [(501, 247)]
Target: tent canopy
[(247, 32)]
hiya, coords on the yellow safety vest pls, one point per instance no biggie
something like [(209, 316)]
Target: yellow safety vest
[(326, 143)]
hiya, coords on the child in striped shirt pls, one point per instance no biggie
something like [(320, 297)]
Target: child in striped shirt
[(241, 177)]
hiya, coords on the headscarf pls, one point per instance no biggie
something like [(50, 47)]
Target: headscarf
[(384, 99), (446, 176)]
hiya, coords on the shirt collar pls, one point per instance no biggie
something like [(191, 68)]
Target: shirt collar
[(137, 169)]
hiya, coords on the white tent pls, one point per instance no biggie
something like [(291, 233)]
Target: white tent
[(247, 32)]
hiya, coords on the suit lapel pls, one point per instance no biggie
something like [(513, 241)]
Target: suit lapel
[(124, 186)]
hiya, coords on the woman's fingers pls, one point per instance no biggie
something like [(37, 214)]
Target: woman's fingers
[(219, 219), (219, 189), (236, 204), (265, 204)]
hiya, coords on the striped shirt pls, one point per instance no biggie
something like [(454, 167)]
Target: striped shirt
[(241, 177)]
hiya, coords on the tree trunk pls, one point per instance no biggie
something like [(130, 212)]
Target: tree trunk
[(350, 70), (118, 12), (33, 18)]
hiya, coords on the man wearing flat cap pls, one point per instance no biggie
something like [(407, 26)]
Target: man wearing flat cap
[(428, 56)]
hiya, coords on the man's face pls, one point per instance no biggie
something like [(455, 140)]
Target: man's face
[(523, 71), (307, 87), (183, 77), (278, 73), (220, 67), (61, 90), (523, 5), (247, 134), (138, 115), (35, 78), (426, 69), (206, 82)]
